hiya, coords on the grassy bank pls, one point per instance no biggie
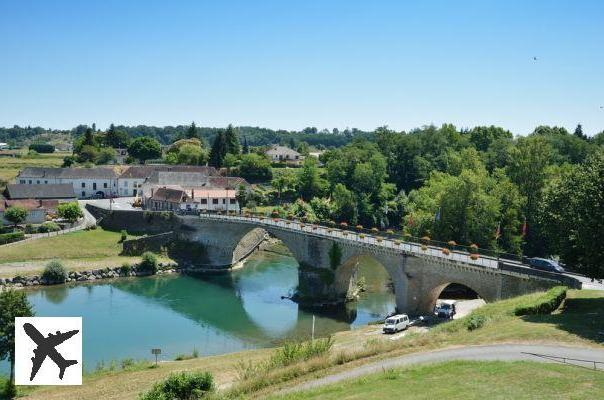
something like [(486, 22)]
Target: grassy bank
[(466, 380), (78, 250), (576, 322), (10, 166)]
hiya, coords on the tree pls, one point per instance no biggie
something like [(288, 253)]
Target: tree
[(70, 211), (116, 138), (579, 132), (105, 155), (284, 181), (192, 131), (231, 139), (13, 304), (573, 216), (144, 148), (89, 138), (88, 153), (255, 168), (191, 155), (218, 151), (309, 182), (246, 148), (345, 208), (15, 214), (528, 170)]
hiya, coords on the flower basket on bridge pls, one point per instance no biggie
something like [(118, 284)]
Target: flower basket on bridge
[(390, 231), (343, 224), (290, 216), (287, 222), (446, 251), (379, 239), (331, 223), (314, 227), (359, 227), (344, 233), (361, 236), (302, 226), (375, 230), (474, 247), (424, 247), (275, 219), (474, 256), (452, 243), (425, 239), (329, 230), (397, 242)]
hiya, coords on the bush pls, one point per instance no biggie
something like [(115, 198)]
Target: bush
[(11, 237), (475, 322), (125, 268), (42, 148), (54, 272), (300, 351), (124, 235), (48, 227), (182, 386), (149, 262), (29, 229), (545, 304)]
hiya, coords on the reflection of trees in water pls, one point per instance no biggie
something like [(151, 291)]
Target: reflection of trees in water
[(56, 294)]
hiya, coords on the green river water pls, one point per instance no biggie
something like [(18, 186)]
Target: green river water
[(126, 318)]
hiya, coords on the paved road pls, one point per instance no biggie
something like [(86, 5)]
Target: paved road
[(502, 352)]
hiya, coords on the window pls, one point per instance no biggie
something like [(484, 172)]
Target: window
[(223, 201), (45, 182), (105, 185), (22, 181), (125, 183), (94, 186), (204, 201), (37, 182), (233, 201), (30, 181), (83, 185), (83, 194), (214, 201)]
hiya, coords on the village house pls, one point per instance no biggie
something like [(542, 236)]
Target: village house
[(283, 154), (130, 182), (62, 192), (175, 198), (37, 210), (86, 182)]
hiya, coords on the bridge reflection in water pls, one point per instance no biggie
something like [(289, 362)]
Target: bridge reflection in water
[(214, 314)]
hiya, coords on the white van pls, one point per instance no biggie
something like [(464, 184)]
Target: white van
[(396, 323)]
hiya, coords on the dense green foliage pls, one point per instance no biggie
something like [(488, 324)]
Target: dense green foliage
[(182, 386), (12, 304), (54, 272), (15, 214), (48, 227), (11, 237), (70, 211), (545, 304), (144, 148), (148, 262), (42, 147)]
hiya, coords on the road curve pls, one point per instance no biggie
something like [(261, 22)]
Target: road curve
[(500, 352)]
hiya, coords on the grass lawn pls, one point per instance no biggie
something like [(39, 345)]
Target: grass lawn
[(577, 322), (78, 250), (466, 380), (10, 166)]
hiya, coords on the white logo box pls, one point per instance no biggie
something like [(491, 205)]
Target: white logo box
[(68, 352)]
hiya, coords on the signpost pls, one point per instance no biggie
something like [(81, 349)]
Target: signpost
[(156, 352)]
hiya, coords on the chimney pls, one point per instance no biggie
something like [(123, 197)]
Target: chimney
[(193, 194), (151, 192)]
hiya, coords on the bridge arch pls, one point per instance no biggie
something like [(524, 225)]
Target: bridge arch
[(435, 294)]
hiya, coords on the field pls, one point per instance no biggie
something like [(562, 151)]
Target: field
[(467, 380), (577, 322), (78, 250), (10, 166)]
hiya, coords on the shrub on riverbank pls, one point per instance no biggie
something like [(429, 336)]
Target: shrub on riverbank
[(182, 386), (6, 238), (48, 227), (148, 262), (54, 272)]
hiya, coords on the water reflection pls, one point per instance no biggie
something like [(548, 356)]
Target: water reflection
[(213, 314)]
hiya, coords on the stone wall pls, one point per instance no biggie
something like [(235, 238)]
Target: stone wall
[(154, 243)]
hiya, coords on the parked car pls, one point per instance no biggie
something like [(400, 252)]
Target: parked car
[(396, 323), (445, 310), (545, 264)]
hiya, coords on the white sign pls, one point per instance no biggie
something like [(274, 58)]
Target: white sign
[(48, 351)]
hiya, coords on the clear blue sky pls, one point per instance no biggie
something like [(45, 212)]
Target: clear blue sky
[(291, 64)]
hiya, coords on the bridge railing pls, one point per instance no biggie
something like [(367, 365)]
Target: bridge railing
[(387, 237)]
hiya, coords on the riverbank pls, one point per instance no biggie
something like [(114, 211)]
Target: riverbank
[(572, 324)]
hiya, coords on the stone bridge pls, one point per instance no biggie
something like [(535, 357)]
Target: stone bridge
[(328, 258)]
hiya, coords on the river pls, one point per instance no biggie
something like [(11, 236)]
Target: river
[(126, 318)]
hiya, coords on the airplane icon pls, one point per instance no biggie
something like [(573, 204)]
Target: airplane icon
[(46, 348)]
